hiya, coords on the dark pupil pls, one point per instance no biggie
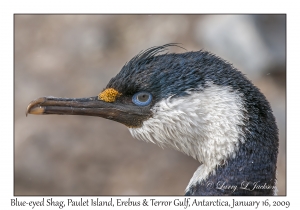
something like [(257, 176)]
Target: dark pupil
[(143, 97)]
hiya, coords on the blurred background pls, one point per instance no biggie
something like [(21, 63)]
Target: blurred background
[(76, 55)]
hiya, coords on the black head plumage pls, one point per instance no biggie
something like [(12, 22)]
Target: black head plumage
[(172, 74)]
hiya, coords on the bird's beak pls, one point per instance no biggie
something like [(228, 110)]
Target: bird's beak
[(123, 113)]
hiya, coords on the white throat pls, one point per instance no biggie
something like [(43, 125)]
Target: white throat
[(206, 124)]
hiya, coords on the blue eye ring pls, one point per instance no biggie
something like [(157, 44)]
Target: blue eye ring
[(142, 98)]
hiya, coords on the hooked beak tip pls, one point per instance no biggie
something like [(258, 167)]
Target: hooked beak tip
[(34, 107)]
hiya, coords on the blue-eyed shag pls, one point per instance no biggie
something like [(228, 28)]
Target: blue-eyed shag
[(196, 103)]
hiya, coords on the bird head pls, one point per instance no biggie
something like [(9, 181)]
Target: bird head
[(195, 102)]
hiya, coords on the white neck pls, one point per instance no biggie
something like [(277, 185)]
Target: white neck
[(205, 124)]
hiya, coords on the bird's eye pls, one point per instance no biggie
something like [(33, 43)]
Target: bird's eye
[(142, 98)]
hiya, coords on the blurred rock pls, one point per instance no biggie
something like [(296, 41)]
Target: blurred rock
[(241, 39)]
